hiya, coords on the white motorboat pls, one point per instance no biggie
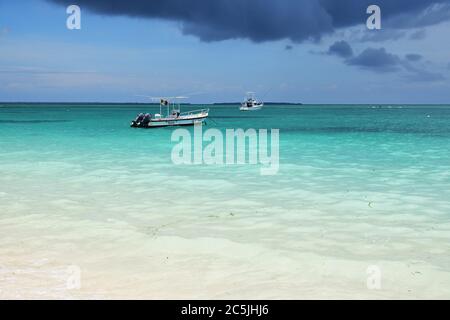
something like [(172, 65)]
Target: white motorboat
[(251, 103), (173, 117)]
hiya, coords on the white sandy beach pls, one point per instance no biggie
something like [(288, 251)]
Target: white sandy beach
[(218, 251)]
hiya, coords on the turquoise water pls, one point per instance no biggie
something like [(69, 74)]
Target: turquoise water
[(357, 186)]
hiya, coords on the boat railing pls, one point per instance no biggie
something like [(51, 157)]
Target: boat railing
[(189, 113)]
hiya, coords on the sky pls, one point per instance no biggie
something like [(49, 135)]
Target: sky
[(308, 51)]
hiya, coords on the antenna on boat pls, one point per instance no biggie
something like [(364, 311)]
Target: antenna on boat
[(165, 101)]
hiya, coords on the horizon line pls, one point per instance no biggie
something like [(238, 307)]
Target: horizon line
[(209, 103)]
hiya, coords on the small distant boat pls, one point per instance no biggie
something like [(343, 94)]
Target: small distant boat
[(173, 117), (251, 103)]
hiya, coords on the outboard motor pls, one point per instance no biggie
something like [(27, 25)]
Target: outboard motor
[(136, 122), (146, 120)]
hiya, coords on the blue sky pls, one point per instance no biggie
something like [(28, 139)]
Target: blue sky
[(119, 55)]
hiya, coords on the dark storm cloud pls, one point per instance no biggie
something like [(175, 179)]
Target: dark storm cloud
[(418, 74), (379, 60), (264, 20), (376, 59), (433, 14), (341, 49), (413, 57)]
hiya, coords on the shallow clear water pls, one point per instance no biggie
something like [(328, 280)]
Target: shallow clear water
[(357, 186)]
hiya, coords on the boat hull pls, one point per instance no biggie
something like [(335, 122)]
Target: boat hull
[(253, 108), (176, 119), (174, 122)]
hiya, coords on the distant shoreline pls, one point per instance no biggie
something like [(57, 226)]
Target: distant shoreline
[(222, 104), (146, 103), (266, 103)]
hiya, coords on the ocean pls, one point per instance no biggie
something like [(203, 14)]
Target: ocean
[(358, 208)]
